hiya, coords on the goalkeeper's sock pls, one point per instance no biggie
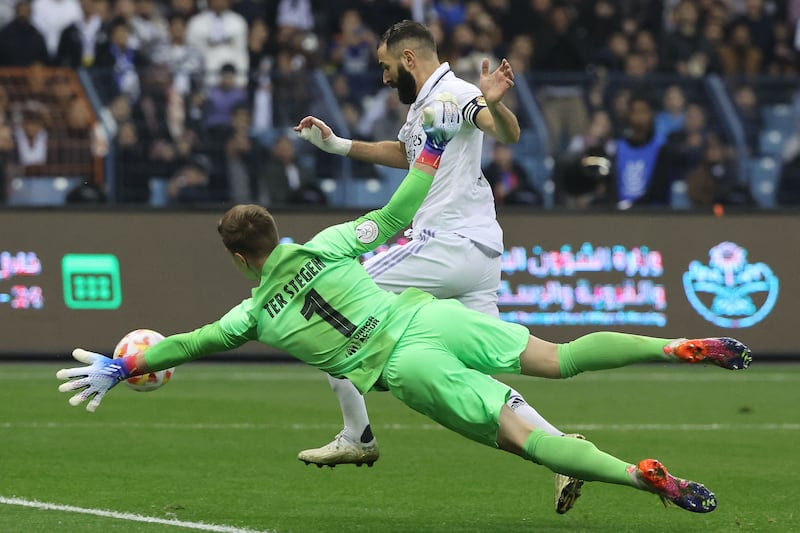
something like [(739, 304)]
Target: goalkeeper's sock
[(354, 410), (575, 458), (604, 350)]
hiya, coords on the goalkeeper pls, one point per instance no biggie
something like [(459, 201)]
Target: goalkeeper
[(316, 302)]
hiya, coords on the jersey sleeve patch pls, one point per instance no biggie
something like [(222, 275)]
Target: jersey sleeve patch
[(472, 108), (367, 231)]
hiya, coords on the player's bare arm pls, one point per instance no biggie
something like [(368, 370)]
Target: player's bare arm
[(496, 119), (387, 153)]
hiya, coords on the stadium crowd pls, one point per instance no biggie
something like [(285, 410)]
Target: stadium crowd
[(199, 95)]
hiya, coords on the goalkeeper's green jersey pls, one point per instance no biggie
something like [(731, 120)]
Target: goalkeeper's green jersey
[(316, 302)]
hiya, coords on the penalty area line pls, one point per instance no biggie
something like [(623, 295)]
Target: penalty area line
[(132, 517)]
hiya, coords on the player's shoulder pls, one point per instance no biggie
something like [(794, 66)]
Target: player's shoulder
[(458, 86)]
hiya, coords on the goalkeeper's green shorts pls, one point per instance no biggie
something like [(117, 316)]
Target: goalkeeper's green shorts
[(442, 364)]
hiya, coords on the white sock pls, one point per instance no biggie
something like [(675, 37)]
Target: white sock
[(354, 409), (518, 404)]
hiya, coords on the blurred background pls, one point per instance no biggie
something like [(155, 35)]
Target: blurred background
[(158, 103)]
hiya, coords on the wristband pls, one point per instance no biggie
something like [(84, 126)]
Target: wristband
[(430, 156), (127, 366), (333, 144)]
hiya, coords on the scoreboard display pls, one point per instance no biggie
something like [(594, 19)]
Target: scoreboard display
[(85, 278)]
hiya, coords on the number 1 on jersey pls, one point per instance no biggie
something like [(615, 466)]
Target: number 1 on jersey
[(314, 303)]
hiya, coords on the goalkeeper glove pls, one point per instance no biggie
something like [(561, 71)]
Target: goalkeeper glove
[(96, 379), (441, 121)]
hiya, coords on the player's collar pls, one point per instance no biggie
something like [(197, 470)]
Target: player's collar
[(433, 81)]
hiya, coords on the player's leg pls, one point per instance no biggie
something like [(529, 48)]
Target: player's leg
[(355, 444), (606, 350), (423, 374), (581, 459), (450, 266)]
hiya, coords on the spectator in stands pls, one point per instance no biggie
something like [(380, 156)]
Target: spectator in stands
[(612, 55), (744, 96), (149, 26), (160, 122), (686, 50), (509, 181), (384, 116), (184, 60), (290, 87), (78, 42), (582, 173), (640, 176), (242, 157), (738, 55), (21, 44), (31, 136), (467, 64), (352, 52), (673, 112), (221, 36), (118, 61), (132, 168), (520, 54), (601, 19), (294, 17), (598, 135), (686, 147), (223, 99), (51, 17), (761, 26), (261, 97), (283, 180), (644, 44), (713, 180), (562, 46), (190, 184), (260, 50), (785, 58)]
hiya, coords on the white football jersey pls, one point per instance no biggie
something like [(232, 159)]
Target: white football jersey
[(460, 199)]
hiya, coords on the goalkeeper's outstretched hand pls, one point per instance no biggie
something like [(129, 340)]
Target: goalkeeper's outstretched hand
[(95, 380), (441, 121)]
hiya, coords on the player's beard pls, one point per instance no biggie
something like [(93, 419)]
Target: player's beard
[(406, 86)]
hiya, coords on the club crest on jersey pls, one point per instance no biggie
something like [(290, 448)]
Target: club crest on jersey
[(367, 231)]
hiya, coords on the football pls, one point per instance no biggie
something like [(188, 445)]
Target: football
[(136, 342)]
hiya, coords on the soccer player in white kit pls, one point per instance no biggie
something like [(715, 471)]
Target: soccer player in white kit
[(456, 240)]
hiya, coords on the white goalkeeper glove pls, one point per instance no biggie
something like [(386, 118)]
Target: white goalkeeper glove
[(441, 121), (321, 135), (95, 380)]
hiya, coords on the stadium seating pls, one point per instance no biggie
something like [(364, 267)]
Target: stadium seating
[(764, 175), (770, 142)]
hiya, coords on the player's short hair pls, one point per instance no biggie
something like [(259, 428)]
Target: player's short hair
[(418, 37), (249, 230)]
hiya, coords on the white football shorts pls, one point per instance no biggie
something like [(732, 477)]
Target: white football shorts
[(443, 264)]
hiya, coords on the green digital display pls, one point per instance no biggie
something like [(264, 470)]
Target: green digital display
[(91, 281)]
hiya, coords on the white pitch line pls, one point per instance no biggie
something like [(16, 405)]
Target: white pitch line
[(201, 526)]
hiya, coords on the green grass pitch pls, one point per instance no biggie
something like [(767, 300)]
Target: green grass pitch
[(218, 445)]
